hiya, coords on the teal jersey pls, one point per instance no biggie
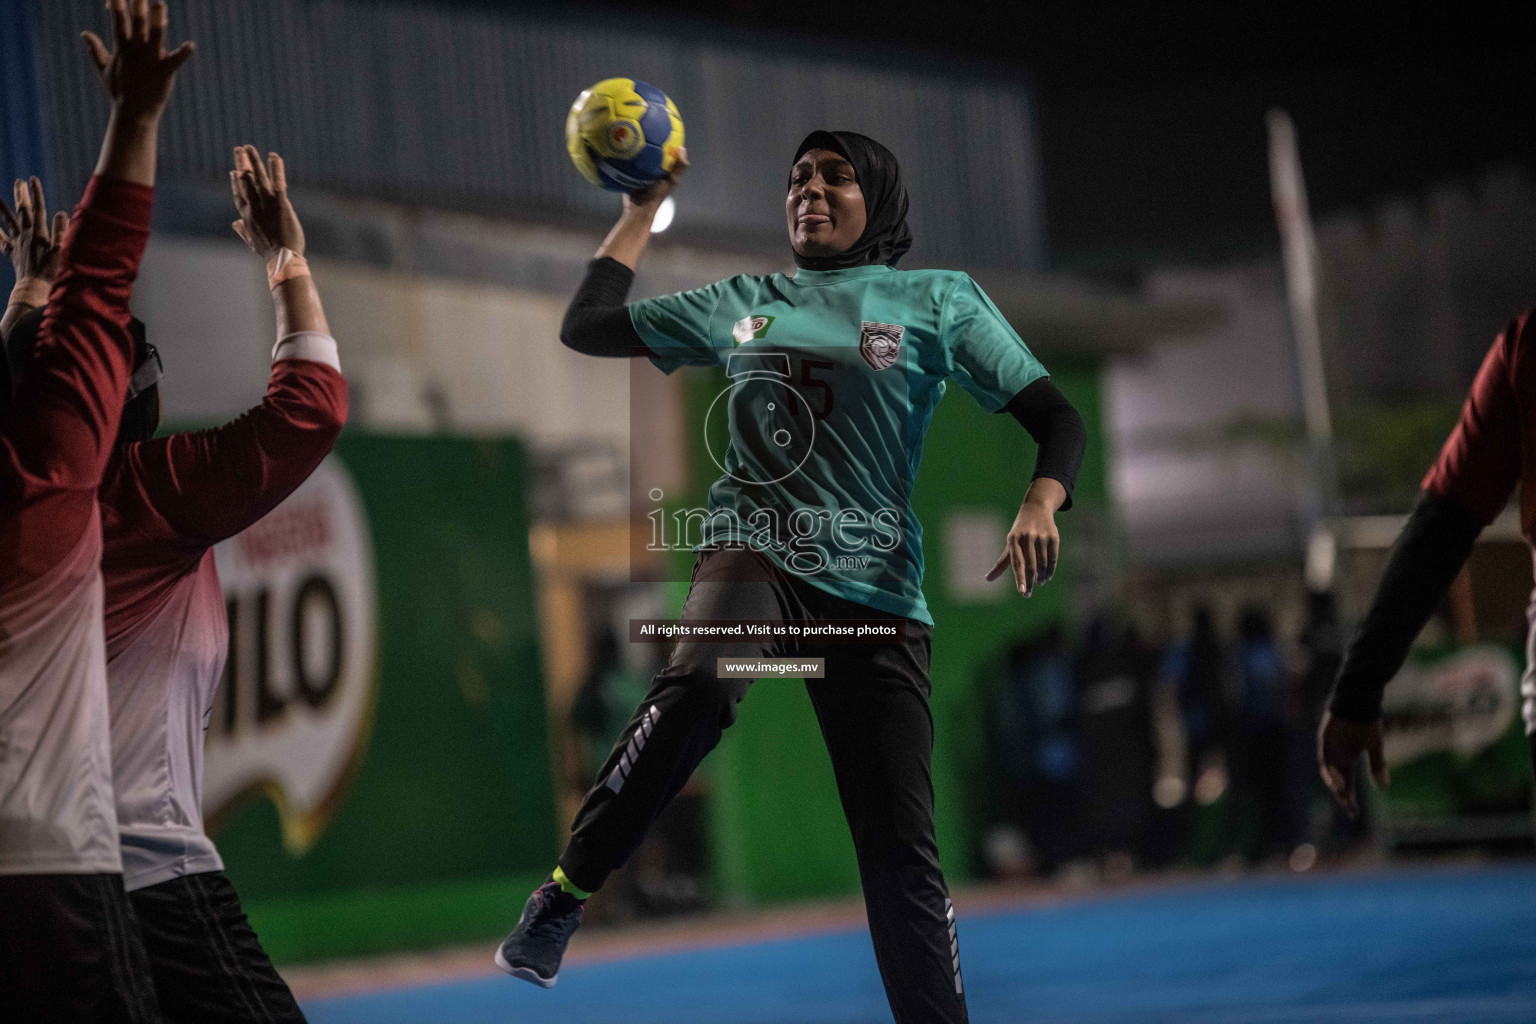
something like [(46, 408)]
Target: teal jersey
[(832, 379)]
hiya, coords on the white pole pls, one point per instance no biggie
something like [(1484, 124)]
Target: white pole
[(1299, 250)]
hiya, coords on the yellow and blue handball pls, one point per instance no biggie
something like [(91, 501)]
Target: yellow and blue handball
[(623, 134)]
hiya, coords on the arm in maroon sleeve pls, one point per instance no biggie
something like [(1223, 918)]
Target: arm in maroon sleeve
[(1463, 492), (57, 434), (1480, 463), (202, 487), (1428, 554)]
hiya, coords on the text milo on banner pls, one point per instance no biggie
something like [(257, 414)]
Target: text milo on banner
[(292, 713)]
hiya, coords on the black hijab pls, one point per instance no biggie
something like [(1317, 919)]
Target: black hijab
[(886, 237), (140, 418)]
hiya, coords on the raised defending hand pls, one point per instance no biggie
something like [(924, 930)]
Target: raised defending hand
[(1339, 746), (267, 222), (29, 238), (137, 72)]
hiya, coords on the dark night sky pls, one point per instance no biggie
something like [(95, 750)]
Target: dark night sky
[(1152, 117)]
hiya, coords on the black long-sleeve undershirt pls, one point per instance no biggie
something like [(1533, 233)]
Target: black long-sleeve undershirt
[(1061, 439), (1428, 554), (597, 323)]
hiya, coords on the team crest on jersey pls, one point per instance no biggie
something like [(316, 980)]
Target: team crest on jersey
[(750, 327), (880, 344)]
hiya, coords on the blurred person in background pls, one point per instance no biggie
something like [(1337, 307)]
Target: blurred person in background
[(1198, 669), (1258, 753), (1490, 450), (69, 949), (1322, 652), (875, 346), (1170, 788), (1114, 679), (1037, 749)]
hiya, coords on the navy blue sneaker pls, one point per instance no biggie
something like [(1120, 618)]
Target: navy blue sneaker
[(533, 950)]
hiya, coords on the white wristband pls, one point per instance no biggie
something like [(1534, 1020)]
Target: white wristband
[(311, 345)]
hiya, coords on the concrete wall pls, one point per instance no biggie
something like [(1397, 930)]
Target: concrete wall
[(422, 353)]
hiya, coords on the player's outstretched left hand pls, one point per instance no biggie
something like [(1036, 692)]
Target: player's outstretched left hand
[(1032, 547), (138, 71), (29, 238), (1339, 745)]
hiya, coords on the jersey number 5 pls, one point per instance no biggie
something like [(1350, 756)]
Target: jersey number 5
[(808, 382)]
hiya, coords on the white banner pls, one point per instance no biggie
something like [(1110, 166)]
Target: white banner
[(294, 707), (1463, 704)]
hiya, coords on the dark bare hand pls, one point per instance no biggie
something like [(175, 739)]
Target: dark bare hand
[(267, 222), (29, 238), (1339, 745), (650, 197), (137, 72)]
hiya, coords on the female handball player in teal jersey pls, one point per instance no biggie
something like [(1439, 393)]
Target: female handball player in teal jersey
[(836, 372)]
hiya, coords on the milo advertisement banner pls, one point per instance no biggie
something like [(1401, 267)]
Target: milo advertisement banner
[(1455, 744), (291, 717), (377, 771)]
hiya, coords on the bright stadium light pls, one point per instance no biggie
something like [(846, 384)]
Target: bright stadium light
[(664, 214)]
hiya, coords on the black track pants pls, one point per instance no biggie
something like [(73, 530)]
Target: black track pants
[(70, 952), (873, 711), (208, 966)]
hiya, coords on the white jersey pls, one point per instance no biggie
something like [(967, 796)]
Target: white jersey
[(161, 687), (56, 802)]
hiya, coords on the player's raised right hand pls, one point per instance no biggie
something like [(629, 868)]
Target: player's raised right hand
[(267, 220), (137, 72), (650, 197)]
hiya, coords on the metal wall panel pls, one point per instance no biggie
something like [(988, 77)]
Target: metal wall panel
[(466, 109)]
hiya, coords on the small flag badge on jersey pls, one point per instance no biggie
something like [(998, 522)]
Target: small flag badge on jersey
[(880, 344), (750, 327)]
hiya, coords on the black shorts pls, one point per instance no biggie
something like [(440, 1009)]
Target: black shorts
[(208, 966), (70, 952)]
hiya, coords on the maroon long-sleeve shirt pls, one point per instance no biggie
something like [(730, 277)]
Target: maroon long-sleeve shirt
[(1494, 444), (56, 799), (1492, 447), (164, 504)]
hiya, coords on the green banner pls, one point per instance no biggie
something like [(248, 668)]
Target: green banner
[(378, 762), (1456, 747)]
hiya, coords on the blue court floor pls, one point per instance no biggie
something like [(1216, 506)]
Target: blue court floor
[(1447, 945)]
